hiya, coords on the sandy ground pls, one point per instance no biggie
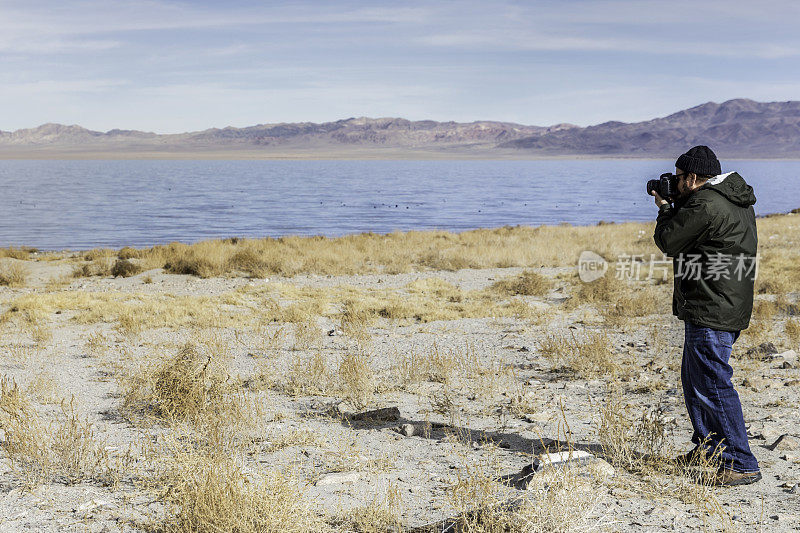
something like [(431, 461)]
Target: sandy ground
[(371, 457)]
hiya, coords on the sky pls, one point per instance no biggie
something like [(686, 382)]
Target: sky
[(170, 67)]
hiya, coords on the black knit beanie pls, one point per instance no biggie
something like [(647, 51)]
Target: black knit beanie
[(700, 160)]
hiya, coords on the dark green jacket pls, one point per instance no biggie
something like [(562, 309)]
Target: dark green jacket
[(712, 239)]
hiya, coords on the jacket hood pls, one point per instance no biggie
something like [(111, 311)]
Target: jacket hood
[(733, 187)]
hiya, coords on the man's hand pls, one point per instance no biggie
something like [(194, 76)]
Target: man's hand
[(659, 201)]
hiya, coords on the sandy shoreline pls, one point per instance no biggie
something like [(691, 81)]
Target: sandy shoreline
[(482, 374)]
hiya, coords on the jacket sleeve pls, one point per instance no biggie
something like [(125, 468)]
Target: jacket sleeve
[(679, 230)]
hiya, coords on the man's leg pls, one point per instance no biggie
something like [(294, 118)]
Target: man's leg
[(690, 371), (715, 410)]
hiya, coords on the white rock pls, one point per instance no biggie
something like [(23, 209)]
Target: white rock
[(407, 430), (93, 505), (561, 459), (338, 478), (603, 468)]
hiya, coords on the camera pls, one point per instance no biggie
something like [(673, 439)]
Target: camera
[(666, 186)]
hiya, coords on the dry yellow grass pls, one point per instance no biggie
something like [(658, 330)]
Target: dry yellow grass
[(529, 283), (588, 355), (519, 246), (792, 329), (639, 441), (378, 516), (125, 268), (193, 385), (63, 450), (307, 335), (23, 253), (356, 379), (14, 274), (308, 376), (560, 500), (209, 491)]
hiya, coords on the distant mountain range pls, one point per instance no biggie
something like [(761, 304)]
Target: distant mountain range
[(736, 128)]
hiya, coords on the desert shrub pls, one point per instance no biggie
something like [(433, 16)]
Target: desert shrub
[(557, 501), (308, 376), (792, 329), (528, 283), (307, 335), (64, 450), (130, 253), (210, 492), (356, 379), (125, 268), (97, 253), (13, 274), (98, 266), (356, 319), (22, 253), (587, 355), (189, 386)]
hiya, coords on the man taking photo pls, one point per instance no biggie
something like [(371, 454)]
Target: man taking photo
[(710, 233)]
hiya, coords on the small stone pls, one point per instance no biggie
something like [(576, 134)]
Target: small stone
[(756, 383), (795, 489), (406, 429), (338, 478), (785, 442), (792, 457), (561, 459), (604, 468), (334, 332), (540, 417)]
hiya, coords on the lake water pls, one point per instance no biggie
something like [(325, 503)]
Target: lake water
[(86, 204)]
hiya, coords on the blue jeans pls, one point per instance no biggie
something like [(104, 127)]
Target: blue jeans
[(713, 403)]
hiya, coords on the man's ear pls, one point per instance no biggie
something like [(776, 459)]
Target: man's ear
[(691, 180)]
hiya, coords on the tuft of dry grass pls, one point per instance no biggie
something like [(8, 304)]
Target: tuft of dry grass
[(64, 450), (639, 441), (633, 439), (14, 274), (378, 516), (125, 268), (23, 253), (588, 355), (99, 266), (557, 501), (193, 385), (528, 283), (792, 330), (356, 379), (519, 246), (356, 318), (307, 335), (436, 365), (44, 388), (308, 376), (209, 491)]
